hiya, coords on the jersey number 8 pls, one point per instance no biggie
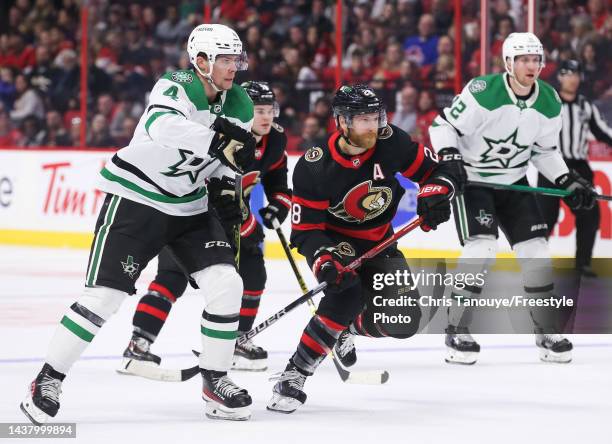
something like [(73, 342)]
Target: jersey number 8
[(296, 213)]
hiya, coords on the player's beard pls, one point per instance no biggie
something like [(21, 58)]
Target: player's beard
[(365, 141)]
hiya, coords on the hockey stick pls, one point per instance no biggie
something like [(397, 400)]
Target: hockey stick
[(236, 228), (161, 374), (363, 377), (527, 189)]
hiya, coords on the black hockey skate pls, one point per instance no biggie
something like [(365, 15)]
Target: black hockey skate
[(287, 394), (554, 347), (137, 353), (250, 357), (345, 348), (42, 401), (461, 346), (224, 399)]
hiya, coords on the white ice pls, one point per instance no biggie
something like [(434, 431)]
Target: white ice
[(509, 396)]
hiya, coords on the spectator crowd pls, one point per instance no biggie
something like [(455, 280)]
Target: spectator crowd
[(403, 48)]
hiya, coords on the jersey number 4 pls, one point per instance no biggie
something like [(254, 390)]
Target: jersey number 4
[(172, 92)]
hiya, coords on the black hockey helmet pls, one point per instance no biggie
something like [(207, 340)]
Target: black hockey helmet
[(261, 94), (351, 101), (570, 66)]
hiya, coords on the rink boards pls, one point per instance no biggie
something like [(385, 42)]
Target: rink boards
[(48, 198)]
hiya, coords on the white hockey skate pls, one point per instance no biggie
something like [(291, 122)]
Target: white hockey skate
[(460, 346), (42, 401), (250, 357), (554, 348), (224, 399), (137, 354), (287, 394)]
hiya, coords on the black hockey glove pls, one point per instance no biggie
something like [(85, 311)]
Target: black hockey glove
[(433, 203), (583, 195), (451, 165), (232, 145), (328, 267), (276, 209), (222, 196)]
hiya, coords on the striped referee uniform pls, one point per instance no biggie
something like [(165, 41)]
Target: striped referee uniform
[(579, 117)]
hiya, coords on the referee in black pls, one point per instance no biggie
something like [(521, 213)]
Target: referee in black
[(579, 116)]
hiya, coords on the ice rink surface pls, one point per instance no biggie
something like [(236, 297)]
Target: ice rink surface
[(509, 396)]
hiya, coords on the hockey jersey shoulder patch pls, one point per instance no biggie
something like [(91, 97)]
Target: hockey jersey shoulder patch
[(478, 85), (182, 77), (313, 154)]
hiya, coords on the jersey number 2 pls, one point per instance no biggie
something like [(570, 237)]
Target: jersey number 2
[(457, 109)]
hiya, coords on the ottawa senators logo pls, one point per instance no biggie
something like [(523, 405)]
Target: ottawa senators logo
[(363, 202), (313, 154), (249, 180)]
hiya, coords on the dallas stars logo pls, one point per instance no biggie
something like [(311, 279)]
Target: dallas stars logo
[(190, 165), (484, 218), (130, 267), (502, 151)]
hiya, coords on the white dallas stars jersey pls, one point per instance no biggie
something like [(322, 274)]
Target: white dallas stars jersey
[(166, 162), (498, 133)]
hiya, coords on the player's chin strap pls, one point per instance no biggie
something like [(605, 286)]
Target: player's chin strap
[(511, 74), (208, 76)]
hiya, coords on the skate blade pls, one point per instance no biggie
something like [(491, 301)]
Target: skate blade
[(283, 404), (557, 358), (214, 410), (240, 363), (34, 414), (460, 357)]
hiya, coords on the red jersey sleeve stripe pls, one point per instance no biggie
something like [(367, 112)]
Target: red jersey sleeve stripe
[(308, 227), (412, 169), (314, 204), (278, 164)]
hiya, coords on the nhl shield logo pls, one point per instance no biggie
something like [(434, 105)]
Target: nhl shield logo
[(363, 202)]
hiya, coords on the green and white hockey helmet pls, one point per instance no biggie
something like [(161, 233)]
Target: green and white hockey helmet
[(521, 43), (215, 40)]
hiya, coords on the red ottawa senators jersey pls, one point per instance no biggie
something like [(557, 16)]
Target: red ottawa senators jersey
[(356, 196), (269, 168)]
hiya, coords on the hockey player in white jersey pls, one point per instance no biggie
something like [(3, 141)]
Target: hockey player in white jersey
[(193, 135), (498, 124)]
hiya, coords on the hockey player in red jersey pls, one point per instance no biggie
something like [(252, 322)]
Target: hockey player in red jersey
[(345, 196)]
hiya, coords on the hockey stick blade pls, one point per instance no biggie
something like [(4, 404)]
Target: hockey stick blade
[(155, 373), (373, 377)]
